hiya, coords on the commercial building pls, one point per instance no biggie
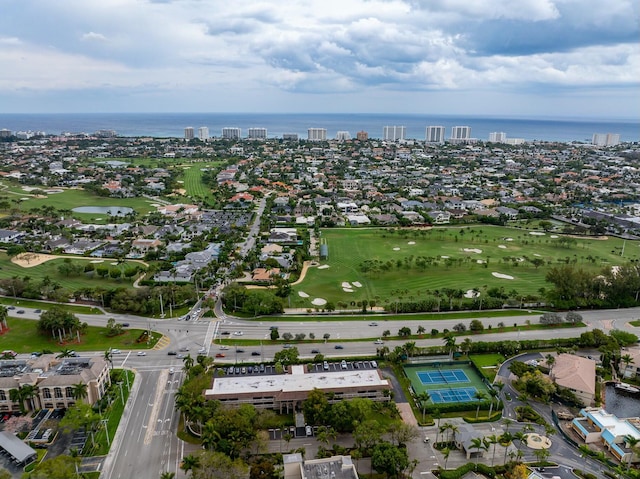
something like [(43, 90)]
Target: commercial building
[(189, 133), (54, 379), (362, 135), (286, 392), (335, 467), (595, 425), (605, 139), (316, 134), (257, 134), (203, 133), (394, 133), (435, 134), (231, 133)]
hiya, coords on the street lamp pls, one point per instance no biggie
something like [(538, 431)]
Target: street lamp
[(121, 393), (106, 430)]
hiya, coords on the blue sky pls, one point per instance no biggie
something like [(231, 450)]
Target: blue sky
[(526, 58)]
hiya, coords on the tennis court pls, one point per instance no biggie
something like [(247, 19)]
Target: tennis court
[(446, 382), (447, 376), (453, 395)]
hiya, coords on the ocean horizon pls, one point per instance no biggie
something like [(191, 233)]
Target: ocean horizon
[(172, 125)]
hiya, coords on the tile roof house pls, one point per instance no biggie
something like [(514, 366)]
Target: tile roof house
[(577, 374)]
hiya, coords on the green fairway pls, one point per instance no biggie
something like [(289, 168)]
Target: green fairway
[(192, 178), (50, 269), (23, 337), (410, 264)]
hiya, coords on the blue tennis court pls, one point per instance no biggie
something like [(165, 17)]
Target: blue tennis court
[(452, 395), (445, 376)]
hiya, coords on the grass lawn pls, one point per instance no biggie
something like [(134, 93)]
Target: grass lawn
[(635, 323), (50, 269), (192, 179), (23, 337), (488, 364), (43, 305), (458, 257)]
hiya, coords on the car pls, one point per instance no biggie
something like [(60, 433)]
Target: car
[(202, 350), (355, 365), (237, 370), (255, 353), (230, 370), (238, 333), (308, 430), (315, 351), (36, 354), (171, 353), (11, 307), (115, 351), (224, 348), (373, 323), (273, 328), (20, 311), (187, 317), (125, 325), (184, 349), (171, 371), (262, 368), (343, 364), (225, 333), (378, 341), (181, 356), (243, 370), (374, 364), (141, 353), (219, 355), (249, 369), (325, 366), (239, 350), (286, 346), (37, 311), (338, 346)]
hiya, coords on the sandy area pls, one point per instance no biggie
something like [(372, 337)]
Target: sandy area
[(324, 266), (537, 233), (472, 250), (553, 236), (471, 294), (502, 276), (501, 246), (29, 260), (444, 257), (411, 242), (302, 294), (508, 239), (319, 302), (396, 249), (536, 254), (357, 284), (347, 290), (346, 284), (480, 261)]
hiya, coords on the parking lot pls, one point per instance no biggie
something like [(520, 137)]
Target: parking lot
[(269, 369), (338, 366)]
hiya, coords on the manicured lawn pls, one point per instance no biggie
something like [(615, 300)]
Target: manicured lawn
[(23, 337), (193, 180), (635, 323), (27, 303), (50, 269), (454, 260), (484, 360)]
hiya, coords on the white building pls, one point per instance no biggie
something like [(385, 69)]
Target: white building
[(394, 133), (317, 134), (257, 134), (460, 133), (335, 467), (203, 133), (343, 136), (435, 134), (231, 133), (606, 139), (497, 137), (188, 133)]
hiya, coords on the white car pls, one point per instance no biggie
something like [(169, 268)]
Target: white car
[(224, 347), (238, 333), (171, 371), (378, 341), (115, 351), (202, 350), (141, 353)]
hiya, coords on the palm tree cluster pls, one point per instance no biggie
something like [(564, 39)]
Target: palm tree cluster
[(60, 323)]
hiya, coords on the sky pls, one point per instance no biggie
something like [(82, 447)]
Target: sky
[(512, 58)]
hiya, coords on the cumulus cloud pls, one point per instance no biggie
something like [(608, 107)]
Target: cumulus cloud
[(93, 37)]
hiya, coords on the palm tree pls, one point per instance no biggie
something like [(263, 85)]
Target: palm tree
[(493, 440), (65, 353), (632, 443), (494, 395), (188, 362), (437, 415), (423, 398), (189, 463), (410, 348), (445, 453), (506, 439), (450, 344), (167, 475), (479, 396), (442, 429), (4, 314), (478, 445), (551, 360), (79, 391), (626, 359), (521, 436), (108, 356)]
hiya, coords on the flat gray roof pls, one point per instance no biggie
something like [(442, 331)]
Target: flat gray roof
[(14, 446)]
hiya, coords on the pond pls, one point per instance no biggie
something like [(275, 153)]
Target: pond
[(108, 210), (621, 404)]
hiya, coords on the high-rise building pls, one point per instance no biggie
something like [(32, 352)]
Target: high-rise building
[(497, 137), (188, 133), (257, 134), (394, 133), (461, 133), (203, 133), (362, 135), (317, 134), (290, 136), (231, 133), (4, 133), (605, 139), (435, 134), (343, 136)]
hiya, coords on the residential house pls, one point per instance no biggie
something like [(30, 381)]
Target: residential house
[(577, 374)]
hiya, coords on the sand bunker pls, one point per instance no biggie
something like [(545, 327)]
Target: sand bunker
[(345, 284), (508, 239), (480, 261), (347, 290), (444, 257), (501, 246), (553, 236), (302, 294), (502, 276), (411, 242), (396, 249), (96, 261), (537, 233), (536, 254), (471, 294), (357, 284), (319, 302), (324, 266), (472, 250)]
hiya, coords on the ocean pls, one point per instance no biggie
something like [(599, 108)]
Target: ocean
[(166, 125)]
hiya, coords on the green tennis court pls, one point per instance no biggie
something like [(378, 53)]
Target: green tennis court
[(445, 382)]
